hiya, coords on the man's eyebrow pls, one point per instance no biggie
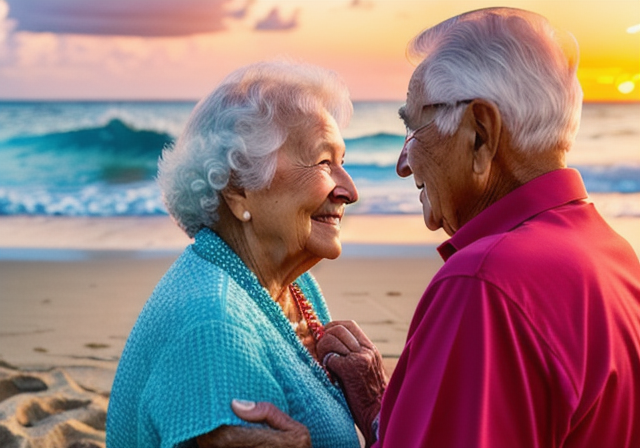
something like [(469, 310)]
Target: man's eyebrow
[(402, 112)]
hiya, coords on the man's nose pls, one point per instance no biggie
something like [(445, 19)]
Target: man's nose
[(402, 166)]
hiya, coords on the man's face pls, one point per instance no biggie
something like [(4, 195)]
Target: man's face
[(441, 165)]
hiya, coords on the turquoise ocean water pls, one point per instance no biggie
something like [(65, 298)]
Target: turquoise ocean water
[(99, 158)]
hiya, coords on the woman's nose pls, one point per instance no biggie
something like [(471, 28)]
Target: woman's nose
[(345, 189)]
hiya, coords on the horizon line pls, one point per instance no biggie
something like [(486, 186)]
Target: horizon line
[(190, 100)]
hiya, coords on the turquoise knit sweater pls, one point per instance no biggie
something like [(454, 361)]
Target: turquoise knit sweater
[(210, 333)]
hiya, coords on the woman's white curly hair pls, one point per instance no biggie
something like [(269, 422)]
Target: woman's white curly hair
[(235, 133)]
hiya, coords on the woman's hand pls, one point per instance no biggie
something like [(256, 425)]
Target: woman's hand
[(285, 432), (349, 354)]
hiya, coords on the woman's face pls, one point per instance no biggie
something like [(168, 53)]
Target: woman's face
[(299, 214)]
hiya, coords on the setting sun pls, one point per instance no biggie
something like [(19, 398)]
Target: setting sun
[(613, 74)]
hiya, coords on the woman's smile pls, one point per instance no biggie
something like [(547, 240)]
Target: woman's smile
[(331, 218)]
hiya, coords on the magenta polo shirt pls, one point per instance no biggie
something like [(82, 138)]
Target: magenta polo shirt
[(528, 336)]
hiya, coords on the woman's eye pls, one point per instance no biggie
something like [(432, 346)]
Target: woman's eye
[(325, 162)]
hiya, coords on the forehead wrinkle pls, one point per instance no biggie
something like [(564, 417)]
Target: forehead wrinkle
[(329, 134)]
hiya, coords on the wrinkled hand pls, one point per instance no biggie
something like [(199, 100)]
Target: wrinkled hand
[(349, 355), (283, 431)]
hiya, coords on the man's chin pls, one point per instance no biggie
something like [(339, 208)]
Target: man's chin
[(431, 223)]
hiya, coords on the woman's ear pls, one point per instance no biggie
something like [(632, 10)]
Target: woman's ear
[(236, 200), (488, 126)]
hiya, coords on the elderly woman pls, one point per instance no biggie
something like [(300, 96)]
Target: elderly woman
[(257, 179)]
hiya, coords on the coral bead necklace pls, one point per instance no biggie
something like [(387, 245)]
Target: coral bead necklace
[(313, 331), (307, 312)]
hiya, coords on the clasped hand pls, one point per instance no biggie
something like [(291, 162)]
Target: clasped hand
[(355, 361)]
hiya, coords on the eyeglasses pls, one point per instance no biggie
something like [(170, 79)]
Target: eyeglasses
[(412, 134)]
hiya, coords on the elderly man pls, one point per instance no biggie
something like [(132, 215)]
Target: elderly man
[(529, 335)]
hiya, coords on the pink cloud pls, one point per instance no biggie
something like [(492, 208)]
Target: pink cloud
[(148, 18), (273, 22)]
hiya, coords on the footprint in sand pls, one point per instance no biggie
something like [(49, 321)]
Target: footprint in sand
[(37, 409), (96, 345), (19, 384), (49, 410)]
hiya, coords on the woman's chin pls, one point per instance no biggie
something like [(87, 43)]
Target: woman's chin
[(325, 250), (324, 241), (334, 254)]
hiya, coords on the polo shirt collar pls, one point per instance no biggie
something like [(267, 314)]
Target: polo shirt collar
[(545, 192)]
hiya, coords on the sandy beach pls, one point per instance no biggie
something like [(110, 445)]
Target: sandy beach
[(71, 289)]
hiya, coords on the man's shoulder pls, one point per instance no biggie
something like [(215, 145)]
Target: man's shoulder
[(547, 242), (486, 254), (549, 257)]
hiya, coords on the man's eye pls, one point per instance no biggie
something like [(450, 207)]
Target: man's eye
[(325, 162)]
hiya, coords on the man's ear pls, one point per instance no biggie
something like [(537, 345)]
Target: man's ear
[(487, 123), (236, 200)]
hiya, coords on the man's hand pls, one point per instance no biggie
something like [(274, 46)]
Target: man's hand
[(284, 431), (349, 354)]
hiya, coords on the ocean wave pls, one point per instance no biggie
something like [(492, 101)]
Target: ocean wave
[(380, 149), (118, 152), (116, 136), (109, 170), (597, 178), (113, 153), (375, 142)]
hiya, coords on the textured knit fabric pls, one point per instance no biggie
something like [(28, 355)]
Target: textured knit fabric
[(528, 336), (211, 333)]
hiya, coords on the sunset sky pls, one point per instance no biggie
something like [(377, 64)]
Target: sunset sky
[(180, 49)]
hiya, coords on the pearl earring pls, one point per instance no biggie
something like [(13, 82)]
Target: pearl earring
[(246, 216)]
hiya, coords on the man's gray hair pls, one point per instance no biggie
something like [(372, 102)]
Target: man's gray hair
[(234, 135), (512, 57)]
